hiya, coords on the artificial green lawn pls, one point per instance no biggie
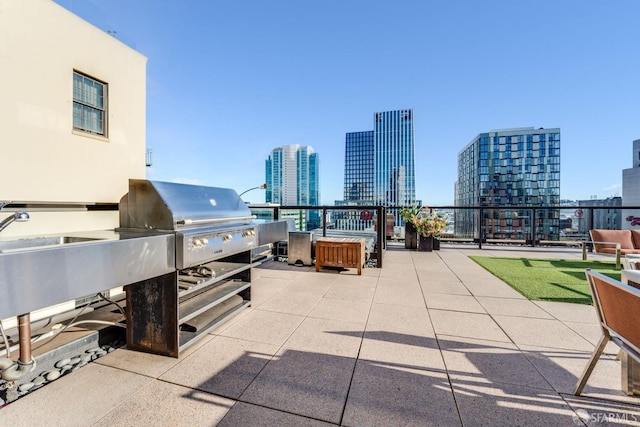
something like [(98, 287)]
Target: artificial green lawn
[(547, 279)]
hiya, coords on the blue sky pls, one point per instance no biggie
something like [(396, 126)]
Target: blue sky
[(228, 81)]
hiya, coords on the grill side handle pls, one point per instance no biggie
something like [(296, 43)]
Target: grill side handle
[(215, 220)]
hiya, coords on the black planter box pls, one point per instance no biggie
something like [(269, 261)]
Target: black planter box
[(410, 236)]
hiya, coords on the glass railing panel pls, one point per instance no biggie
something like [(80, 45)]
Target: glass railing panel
[(530, 225)]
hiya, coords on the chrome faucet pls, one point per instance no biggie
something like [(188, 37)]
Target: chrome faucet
[(20, 216)]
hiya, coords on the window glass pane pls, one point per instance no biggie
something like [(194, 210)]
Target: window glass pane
[(89, 104)]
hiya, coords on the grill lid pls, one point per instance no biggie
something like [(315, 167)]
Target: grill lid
[(169, 206)]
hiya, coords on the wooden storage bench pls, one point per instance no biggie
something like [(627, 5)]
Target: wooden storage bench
[(345, 252)]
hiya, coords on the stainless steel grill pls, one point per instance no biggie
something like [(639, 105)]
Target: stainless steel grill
[(208, 222), (215, 234)]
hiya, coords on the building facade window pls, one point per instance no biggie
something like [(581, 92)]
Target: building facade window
[(89, 105), (516, 168)]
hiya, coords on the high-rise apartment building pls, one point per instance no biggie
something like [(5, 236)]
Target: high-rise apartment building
[(510, 168), (292, 176), (631, 191), (379, 166)]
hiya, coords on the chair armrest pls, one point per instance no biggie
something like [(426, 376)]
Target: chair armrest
[(617, 245), (632, 276)]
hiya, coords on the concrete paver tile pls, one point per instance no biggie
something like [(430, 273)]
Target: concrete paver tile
[(151, 365), (569, 312), (164, 404), (409, 296), (508, 404), (292, 304), (465, 303), (338, 338), (480, 361), (451, 287), (542, 332), (245, 414), (562, 369), (225, 366), (403, 350), (467, 325), (513, 307), (305, 383), (602, 412), (349, 292), (398, 318), (264, 326), (75, 399), (391, 395), (342, 310)]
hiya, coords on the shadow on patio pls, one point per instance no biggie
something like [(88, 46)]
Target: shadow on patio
[(431, 339)]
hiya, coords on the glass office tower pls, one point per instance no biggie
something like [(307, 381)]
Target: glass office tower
[(358, 168), (510, 167), (358, 180), (292, 177), (379, 166)]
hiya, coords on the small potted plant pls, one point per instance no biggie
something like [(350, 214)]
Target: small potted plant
[(410, 233), (429, 226)]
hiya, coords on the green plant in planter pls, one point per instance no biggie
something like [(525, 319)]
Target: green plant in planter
[(429, 224), (408, 213)]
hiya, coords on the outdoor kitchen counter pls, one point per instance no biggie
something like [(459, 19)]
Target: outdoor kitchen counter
[(41, 271)]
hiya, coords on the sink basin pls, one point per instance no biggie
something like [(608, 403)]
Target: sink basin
[(39, 242), (43, 270)]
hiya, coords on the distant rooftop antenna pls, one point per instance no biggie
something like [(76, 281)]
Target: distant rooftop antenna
[(148, 157)]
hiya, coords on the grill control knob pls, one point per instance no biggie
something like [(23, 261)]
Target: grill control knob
[(199, 243), (249, 233), (227, 237)]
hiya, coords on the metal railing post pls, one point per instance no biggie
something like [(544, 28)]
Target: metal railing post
[(480, 228), (382, 228), (324, 222), (533, 227), (590, 228)]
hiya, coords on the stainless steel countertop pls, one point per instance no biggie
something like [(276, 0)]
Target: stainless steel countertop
[(35, 277)]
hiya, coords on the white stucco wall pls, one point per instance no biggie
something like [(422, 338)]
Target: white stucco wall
[(42, 158)]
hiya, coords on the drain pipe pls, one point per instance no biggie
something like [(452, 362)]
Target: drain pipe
[(25, 363), (24, 338)]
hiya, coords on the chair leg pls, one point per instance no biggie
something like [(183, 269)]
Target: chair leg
[(604, 339)]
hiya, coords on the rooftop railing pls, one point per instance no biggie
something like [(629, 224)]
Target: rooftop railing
[(479, 225)]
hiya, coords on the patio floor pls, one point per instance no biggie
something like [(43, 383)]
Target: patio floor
[(430, 339)]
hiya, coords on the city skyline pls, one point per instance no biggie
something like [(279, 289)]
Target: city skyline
[(231, 80)]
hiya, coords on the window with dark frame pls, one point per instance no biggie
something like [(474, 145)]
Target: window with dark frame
[(89, 105)]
